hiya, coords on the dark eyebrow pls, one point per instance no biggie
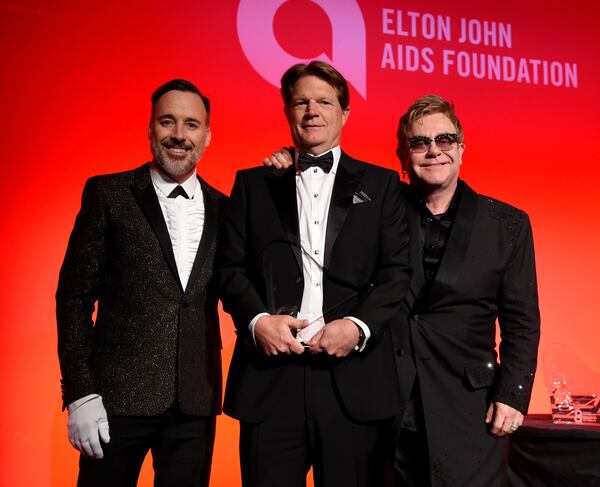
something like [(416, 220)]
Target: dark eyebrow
[(172, 117)]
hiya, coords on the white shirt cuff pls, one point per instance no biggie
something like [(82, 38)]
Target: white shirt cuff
[(253, 324), (361, 324)]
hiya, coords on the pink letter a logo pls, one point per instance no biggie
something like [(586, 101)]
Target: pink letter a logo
[(255, 31)]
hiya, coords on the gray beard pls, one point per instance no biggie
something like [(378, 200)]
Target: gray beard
[(176, 168)]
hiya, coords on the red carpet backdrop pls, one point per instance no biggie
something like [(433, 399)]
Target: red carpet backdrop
[(75, 102)]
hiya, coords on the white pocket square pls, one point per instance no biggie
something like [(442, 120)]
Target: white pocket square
[(360, 197)]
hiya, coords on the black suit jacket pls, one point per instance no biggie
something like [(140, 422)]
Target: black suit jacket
[(152, 342), (448, 332), (366, 269)]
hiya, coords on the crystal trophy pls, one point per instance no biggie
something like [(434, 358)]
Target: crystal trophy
[(574, 389)]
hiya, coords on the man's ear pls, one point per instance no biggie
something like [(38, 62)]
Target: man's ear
[(208, 137), (404, 165), (345, 115), (461, 151), (400, 158)]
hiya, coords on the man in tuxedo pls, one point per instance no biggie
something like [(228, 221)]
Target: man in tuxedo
[(312, 267), (473, 264), (147, 374)]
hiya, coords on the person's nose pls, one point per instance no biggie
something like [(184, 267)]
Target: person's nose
[(311, 108), (433, 150), (178, 132)]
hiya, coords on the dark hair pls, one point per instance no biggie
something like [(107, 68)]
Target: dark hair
[(426, 105), (321, 70), (180, 85)]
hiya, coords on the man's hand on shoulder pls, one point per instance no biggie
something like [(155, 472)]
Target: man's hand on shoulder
[(273, 334), (337, 338), (87, 424), (282, 159)]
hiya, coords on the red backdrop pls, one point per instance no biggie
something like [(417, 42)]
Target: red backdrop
[(75, 102)]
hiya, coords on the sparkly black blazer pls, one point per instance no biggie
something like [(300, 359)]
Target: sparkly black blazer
[(447, 337), (152, 342)]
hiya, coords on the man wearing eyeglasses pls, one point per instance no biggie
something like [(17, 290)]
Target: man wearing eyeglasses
[(473, 264)]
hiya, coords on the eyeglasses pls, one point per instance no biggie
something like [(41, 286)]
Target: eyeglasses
[(421, 143)]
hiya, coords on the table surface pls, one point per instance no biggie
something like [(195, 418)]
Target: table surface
[(541, 424)]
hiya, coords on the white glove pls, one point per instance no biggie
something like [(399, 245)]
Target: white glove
[(87, 424)]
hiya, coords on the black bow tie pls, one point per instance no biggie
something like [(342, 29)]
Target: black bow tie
[(325, 161), (178, 191)]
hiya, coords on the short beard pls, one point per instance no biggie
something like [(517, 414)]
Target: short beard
[(174, 169)]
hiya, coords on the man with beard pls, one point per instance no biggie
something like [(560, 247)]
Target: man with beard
[(147, 374)]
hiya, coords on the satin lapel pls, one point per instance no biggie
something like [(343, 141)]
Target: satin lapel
[(456, 248), (282, 186), (209, 231), (144, 193), (346, 182), (416, 251)]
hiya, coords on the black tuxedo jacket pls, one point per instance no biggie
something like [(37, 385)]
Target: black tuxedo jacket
[(152, 343), (366, 272), (448, 330)]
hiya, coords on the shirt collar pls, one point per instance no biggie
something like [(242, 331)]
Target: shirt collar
[(451, 211), (166, 185), (337, 154)]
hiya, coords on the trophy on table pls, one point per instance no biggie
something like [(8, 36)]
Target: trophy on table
[(573, 387)]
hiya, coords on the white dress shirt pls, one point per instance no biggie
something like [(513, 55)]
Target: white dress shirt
[(314, 188), (184, 218)]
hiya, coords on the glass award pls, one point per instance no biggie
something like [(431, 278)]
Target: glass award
[(574, 388)]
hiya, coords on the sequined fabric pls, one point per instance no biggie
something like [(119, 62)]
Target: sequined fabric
[(152, 343), (446, 338)]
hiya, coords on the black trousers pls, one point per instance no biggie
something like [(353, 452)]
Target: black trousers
[(411, 457), (181, 448), (309, 427), (411, 467)]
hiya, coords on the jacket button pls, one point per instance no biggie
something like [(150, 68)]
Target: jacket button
[(298, 280), (416, 317), (184, 304), (400, 352)]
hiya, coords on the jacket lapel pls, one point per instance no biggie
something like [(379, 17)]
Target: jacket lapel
[(282, 187), (413, 218), (144, 193), (456, 248), (346, 182), (209, 231)]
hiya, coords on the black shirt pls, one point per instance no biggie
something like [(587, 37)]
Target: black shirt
[(435, 230)]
